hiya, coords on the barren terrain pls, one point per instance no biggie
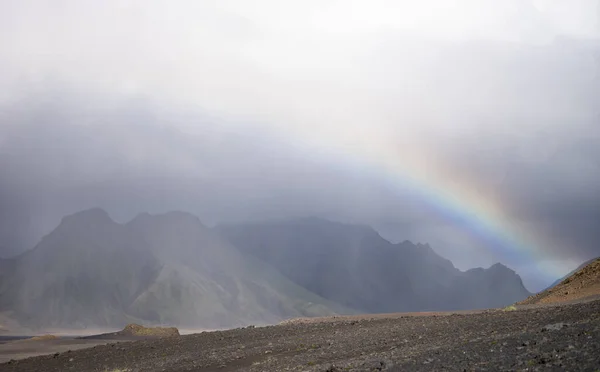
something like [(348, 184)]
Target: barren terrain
[(549, 337)]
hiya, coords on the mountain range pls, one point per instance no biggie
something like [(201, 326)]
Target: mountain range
[(170, 269), (354, 266)]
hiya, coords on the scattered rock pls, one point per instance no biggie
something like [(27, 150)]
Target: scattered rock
[(554, 327), (375, 365)]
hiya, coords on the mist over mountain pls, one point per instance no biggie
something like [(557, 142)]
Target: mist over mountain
[(354, 266), (166, 269), (171, 269), (321, 108)]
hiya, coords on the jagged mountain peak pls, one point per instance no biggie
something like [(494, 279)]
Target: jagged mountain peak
[(93, 215), (500, 267), (364, 271)]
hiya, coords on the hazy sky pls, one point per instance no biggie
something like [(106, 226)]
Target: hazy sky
[(244, 110)]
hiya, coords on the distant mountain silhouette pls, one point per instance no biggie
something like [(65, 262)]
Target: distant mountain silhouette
[(165, 269), (356, 267), (170, 269)]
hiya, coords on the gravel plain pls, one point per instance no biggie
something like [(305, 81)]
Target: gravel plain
[(563, 337)]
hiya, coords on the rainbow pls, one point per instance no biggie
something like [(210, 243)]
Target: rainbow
[(410, 168)]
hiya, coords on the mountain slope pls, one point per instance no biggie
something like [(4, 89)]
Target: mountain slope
[(356, 267), (213, 281), (558, 281), (583, 283), (83, 273), (169, 269)]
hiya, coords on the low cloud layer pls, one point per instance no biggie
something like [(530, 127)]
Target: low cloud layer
[(240, 113)]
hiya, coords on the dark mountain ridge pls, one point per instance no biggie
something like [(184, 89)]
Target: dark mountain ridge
[(356, 267)]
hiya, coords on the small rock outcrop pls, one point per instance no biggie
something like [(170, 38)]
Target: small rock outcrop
[(141, 331), (40, 338)]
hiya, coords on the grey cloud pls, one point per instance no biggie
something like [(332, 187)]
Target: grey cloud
[(242, 115), (135, 159)]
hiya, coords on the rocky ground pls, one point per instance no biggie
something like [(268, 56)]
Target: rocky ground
[(562, 337)]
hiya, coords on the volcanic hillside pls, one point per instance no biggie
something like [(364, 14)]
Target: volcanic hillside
[(582, 284)]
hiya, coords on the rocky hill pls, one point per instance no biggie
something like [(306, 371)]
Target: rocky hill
[(559, 280), (583, 283)]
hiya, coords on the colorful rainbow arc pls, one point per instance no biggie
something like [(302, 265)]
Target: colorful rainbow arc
[(411, 169)]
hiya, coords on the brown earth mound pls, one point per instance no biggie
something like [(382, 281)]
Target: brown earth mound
[(138, 330), (582, 284), (39, 338)]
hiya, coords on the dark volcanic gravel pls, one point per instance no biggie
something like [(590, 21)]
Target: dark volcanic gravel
[(558, 338)]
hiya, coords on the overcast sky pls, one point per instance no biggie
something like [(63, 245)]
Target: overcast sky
[(245, 110)]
